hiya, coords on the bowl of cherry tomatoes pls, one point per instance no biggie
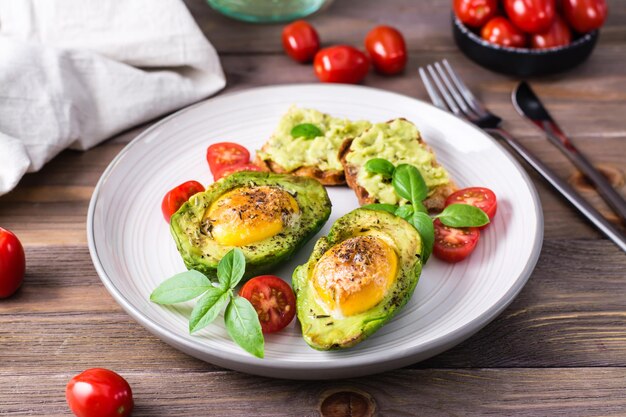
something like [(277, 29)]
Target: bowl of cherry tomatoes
[(527, 37)]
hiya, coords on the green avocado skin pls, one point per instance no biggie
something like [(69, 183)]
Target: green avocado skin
[(200, 252), (320, 328)]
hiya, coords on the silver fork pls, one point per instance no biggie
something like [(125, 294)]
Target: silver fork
[(448, 92)]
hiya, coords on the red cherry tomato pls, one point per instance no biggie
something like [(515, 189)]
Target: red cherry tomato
[(452, 244), (12, 263), (341, 64), (558, 35), (98, 392), (301, 41), (273, 300), (532, 16), (480, 197), (585, 15), (230, 169), (502, 32), (387, 49), (221, 154), (175, 197), (475, 13)]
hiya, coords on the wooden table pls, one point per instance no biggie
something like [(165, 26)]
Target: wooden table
[(559, 349)]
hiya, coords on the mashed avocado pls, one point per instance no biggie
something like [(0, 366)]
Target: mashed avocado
[(292, 153), (396, 142)]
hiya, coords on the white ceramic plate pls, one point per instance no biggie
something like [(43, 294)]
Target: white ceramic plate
[(133, 251)]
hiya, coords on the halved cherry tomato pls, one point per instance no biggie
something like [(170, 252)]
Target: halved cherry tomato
[(585, 15), (175, 197), (531, 16), (341, 64), (12, 263), (558, 35), (221, 154), (301, 41), (99, 392), (475, 13), (480, 197), (454, 244), (230, 169), (387, 49), (273, 300), (502, 32)]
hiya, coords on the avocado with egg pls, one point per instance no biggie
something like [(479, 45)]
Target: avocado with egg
[(357, 278), (268, 216)]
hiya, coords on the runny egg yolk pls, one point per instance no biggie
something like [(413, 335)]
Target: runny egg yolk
[(355, 275), (247, 215)]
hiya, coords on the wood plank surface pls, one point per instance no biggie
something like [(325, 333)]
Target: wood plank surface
[(558, 350), (431, 392)]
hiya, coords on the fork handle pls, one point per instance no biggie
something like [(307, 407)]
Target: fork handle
[(565, 189)]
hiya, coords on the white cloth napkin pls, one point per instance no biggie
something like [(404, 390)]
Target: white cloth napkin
[(75, 72)]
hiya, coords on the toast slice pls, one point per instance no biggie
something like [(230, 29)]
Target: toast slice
[(399, 142), (315, 157)]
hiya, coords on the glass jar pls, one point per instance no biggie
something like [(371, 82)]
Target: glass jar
[(267, 11)]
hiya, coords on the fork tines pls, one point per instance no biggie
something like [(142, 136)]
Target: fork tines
[(448, 92)]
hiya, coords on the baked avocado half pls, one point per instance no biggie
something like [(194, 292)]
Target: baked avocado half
[(357, 278), (268, 216)]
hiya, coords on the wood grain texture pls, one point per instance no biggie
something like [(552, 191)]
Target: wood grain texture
[(559, 349), (431, 392)]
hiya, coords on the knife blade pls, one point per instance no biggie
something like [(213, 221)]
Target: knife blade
[(531, 108)]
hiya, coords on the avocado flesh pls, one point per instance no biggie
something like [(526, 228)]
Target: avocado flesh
[(325, 330), (201, 252)]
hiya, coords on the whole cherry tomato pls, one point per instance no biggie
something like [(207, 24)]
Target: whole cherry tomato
[(532, 16), (475, 13), (454, 244), (273, 299), (502, 32), (300, 41), (221, 154), (558, 35), (99, 392), (12, 263), (585, 15), (341, 64), (387, 49), (231, 169), (175, 197)]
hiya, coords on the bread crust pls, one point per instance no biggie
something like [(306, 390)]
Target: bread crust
[(328, 177), (434, 203)]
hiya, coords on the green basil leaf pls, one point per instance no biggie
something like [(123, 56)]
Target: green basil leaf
[(207, 308), (420, 207), (181, 287), (231, 268), (243, 326), (409, 183), (390, 208), (405, 211), (463, 215), (380, 166), (306, 130), (424, 225)]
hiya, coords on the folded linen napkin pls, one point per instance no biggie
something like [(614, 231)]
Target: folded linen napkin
[(75, 72)]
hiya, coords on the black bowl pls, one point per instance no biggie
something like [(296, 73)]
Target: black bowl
[(522, 62)]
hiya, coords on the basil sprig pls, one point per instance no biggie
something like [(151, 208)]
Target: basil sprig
[(409, 184), (306, 131), (463, 215), (240, 317)]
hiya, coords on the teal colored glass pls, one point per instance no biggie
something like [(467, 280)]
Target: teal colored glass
[(267, 11)]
